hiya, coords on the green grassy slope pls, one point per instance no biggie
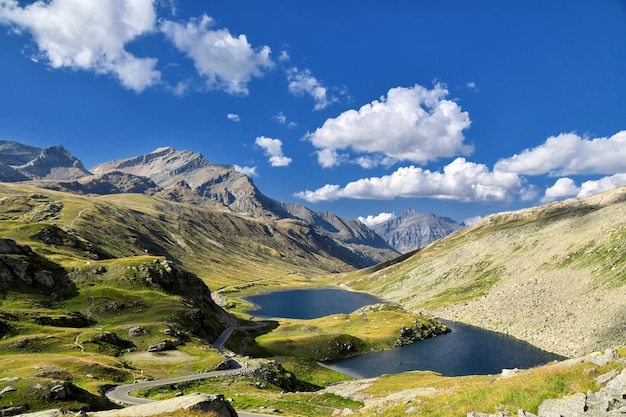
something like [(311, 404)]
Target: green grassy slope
[(553, 275)]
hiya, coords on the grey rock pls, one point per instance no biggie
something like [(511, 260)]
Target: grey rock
[(7, 389), (12, 410), (164, 345), (136, 331)]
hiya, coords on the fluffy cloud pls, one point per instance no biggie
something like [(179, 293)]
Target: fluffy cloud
[(273, 149), (302, 82), (410, 124), (226, 62), (603, 184), (371, 220), (89, 35), (570, 154), (460, 181), (234, 117), (249, 171), (567, 188), (562, 188)]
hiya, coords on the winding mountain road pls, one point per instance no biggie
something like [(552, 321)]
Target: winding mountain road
[(121, 393)]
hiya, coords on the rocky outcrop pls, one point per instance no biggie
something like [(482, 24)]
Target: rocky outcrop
[(164, 345), (207, 319), (420, 331), (609, 401), (22, 269)]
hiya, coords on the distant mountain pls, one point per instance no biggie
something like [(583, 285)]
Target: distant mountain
[(412, 230), (351, 233), (20, 162)]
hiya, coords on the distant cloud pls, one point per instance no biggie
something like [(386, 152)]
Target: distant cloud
[(284, 56), (282, 119), (249, 171), (224, 61), (471, 220), (472, 86), (232, 116), (567, 188), (273, 149), (410, 124), (371, 220), (460, 181), (302, 82), (89, 35), (570, 154)]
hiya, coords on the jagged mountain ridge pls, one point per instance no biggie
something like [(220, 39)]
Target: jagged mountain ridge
[(179, 172), (20, 162), (187, 177), (412, 230)]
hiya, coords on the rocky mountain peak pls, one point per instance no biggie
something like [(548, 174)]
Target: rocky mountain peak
[(413, 230), (23, 162)]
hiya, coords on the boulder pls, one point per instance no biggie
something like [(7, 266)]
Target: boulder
[(194, 402), (164, 345)]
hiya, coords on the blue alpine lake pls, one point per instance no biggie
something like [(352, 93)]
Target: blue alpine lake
[(466, 350)]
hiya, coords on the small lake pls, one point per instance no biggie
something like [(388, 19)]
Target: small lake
[(466, 350), (309, 304)]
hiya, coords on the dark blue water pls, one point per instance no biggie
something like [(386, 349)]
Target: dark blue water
[(309, 304), (466, 350)]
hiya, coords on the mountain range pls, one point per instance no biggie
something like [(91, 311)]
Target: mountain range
[(97, 265), (188, 178)]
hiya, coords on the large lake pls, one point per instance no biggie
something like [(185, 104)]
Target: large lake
[(466, 350)]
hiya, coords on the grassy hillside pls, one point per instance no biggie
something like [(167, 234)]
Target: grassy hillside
[(220, 247), (90, 286), (552, 275)]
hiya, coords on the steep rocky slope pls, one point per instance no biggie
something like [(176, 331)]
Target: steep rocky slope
[(412, 230), (553, 275), (178, 172)]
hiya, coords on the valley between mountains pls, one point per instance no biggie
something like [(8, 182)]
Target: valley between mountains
[(110, 275)]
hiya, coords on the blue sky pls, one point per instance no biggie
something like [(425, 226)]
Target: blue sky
[(365, 108)]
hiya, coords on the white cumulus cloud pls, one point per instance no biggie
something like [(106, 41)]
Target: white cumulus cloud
[(225, 61), (567, 188), (372, 220), (591, 187), (570, 154), (89, 35), (303, 82), (562, 188), (233, 116), (249, 171), (409, 124), (460, 181), (273, 149)]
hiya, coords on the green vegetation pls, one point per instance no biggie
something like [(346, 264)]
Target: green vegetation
[(608, 260), (456, 396), (255, 396), (368, 329)]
